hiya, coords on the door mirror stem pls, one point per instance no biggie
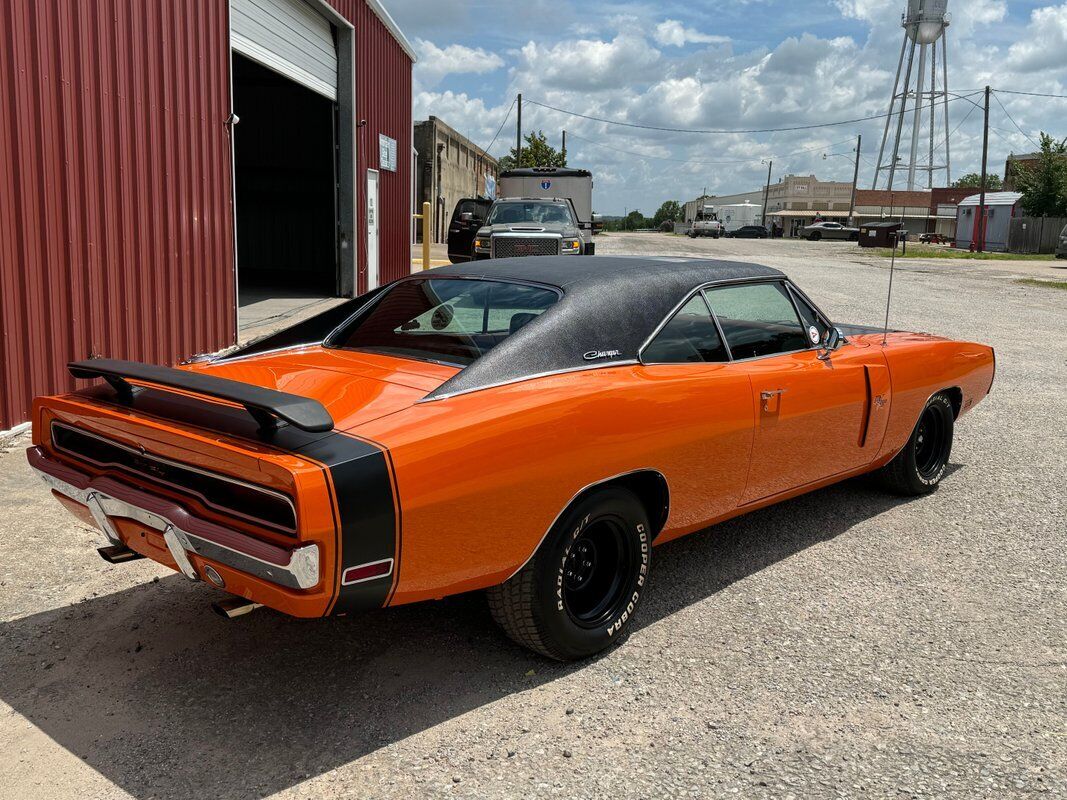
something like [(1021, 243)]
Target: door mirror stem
[(832, 341)]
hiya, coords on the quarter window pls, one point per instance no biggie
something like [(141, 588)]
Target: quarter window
[(757, 319), (690, 336), (810, 319)]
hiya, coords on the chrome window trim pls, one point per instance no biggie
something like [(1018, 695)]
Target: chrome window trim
[(703, 289), (179, 464), (524, 378), (275, 351)]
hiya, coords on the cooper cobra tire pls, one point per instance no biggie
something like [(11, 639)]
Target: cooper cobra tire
[(580, 591), (815, 237), (920, 466)]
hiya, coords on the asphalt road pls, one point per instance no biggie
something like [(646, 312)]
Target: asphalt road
[(843, 644)]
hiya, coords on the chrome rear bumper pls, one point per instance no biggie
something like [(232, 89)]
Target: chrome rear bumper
[(183, 533)]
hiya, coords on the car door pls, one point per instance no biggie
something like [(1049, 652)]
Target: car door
[(700, 426), (467, 218), (811, 417)]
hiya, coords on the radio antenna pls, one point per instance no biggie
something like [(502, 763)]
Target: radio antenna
[(889, 295), (892, 264)]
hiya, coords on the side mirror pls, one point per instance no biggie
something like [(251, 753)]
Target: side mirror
[(831, 343), (466, 216)]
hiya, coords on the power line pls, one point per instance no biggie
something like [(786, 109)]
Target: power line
[(738, 130), (1013, 122), (703, 163), (1032, 94), (498, 130)]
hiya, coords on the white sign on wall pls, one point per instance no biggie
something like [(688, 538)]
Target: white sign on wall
[(490, 186), (386, 152)]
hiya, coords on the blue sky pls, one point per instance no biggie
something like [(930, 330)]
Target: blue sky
[(745, 64)]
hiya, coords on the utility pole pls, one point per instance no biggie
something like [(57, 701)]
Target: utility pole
[(981, 194), (855, 177), (766, 192), (518, 135), (564, 152)]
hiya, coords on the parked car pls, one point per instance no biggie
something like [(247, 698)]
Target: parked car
[(748, 232), (706, 224), (934, 238), (530, 226), (531, 428), (829, 230), (1061, 248), (467, 218)]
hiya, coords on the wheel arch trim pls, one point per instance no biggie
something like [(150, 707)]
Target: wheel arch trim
[(658, 525)]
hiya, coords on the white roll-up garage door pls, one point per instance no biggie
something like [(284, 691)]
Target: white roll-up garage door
[(289, 37)]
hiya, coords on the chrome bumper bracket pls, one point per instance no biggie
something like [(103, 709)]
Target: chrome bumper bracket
[(302, 571)]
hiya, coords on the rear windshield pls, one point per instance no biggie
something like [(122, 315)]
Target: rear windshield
[(445, 319)]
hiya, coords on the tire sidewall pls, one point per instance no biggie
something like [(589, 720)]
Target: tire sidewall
[(562, 633), (920, 482)]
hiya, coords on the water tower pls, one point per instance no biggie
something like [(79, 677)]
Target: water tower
[(924, 26)]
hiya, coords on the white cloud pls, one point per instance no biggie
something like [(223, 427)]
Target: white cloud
[(588, 64), (1044, 46), (435, 62), (671, 32)]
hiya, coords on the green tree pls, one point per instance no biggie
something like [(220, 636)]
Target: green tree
[(973, 180), (634, 220), (1044, 186), (670, 211), (536, 152)]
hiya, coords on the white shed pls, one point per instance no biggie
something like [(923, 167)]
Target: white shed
[(1000, 207)]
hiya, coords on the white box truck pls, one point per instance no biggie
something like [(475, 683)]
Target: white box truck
[(575, 185), (738, 215)]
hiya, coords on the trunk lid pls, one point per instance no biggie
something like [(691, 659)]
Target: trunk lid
[(355, 387)]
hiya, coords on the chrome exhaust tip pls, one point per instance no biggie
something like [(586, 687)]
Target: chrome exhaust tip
[(117, 554), (233, 607)]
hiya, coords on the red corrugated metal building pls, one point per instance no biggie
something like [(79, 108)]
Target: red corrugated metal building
[(159, 157)]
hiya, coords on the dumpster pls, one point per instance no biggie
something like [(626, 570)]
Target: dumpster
[(878, 234)]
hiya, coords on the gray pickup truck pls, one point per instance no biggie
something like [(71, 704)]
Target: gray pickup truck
[(526, 226)]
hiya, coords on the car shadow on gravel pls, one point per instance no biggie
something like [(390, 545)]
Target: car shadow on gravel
[(167, 700)]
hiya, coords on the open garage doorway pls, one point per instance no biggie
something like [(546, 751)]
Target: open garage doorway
[(285, 192)]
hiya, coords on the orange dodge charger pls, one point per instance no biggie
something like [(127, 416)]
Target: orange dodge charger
[(528, 426)]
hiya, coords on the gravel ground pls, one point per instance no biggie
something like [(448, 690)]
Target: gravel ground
[(843, 644)]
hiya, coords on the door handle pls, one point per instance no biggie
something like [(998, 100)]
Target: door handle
[(767, 395)]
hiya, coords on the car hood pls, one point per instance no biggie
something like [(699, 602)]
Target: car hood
[(355, 387)]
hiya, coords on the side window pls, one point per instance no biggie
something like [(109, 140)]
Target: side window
[(690, 336), (810, 320), (758, 319)]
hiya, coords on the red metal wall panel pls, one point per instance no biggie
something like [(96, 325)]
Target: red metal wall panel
[(116, 232), (383, 99)]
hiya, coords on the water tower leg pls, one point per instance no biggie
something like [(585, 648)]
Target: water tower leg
[(917, 117), (944, 87), (889, 117), (900, 117)]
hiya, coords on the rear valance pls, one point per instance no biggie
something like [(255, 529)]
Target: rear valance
[(265, 405)]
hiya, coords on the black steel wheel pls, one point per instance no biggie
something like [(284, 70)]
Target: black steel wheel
[(920, 466), (579, 592)]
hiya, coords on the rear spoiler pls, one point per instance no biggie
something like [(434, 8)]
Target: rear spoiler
[(267, 406)]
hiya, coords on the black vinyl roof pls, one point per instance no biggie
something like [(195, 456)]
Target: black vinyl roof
[(609, 304)]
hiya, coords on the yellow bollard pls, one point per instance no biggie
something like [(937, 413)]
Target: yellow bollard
[(426, 235)]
